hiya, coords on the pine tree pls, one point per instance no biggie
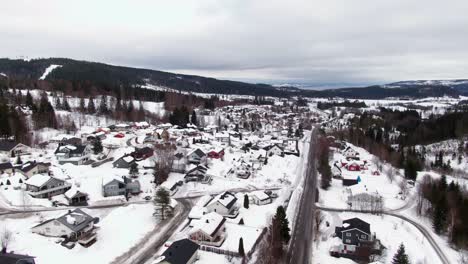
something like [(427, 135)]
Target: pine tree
[(97, 146), (65, 104), (241, 247), (439, 216), (283, 224), (133, 171), (162, 200), (18, 160), (82, 105), (246, 201), (400, 257), (193, 118), (91, 107), (103, 109), (30, 102)]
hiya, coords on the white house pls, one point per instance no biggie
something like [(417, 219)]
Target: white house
[(74, 154), (274, 149), (13, 149), (260, 198), (209, 230), (350, 153), (197, 157), (224, 204)]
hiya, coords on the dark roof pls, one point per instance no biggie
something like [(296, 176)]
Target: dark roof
[(144, 150), (7, 145), (199, 153), (5, 166), (179, 155), (31, 165), (180, 252), (10, 258), (198, 168), (233, 201), (356, 223), (75, 149), (82, 220), (271, 146)]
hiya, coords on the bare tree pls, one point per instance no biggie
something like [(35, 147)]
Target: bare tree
[(164, 161), (403, 188), (6, 237), (318, 220)]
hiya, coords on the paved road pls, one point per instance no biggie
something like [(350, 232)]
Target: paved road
[(300, 247), (144, 252), (421, 228)]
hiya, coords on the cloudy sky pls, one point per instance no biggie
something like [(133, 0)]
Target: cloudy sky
[(322, 42)]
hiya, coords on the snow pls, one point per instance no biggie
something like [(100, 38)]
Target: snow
[(208, 223), (38, 180), (49, 70)]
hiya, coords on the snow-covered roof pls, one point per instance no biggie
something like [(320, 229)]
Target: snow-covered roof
[(261, 195), (209, 223), (226, 199), (38, 180)]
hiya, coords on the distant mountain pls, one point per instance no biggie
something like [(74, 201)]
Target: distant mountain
[(107, 77)]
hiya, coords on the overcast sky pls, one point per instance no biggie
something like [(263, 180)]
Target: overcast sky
[(316, 41)]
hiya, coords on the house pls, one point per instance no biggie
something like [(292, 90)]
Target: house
[(179, 162), (197, 157), (261, 198), (124, 186), (197, 174), (13, 258), (124, 162), (7, 168), (223, 138), (31, 168), (350, 153), (350, 179), (274, 149), (74, 154), (76, 198), (142, 153), (209, 230), (182, 251), (141, 125), (70, 141), (224, 204), (74, 226), (353, 166), (13, 149), (45, 186), (216, 153), (357, 242), (114, 187)]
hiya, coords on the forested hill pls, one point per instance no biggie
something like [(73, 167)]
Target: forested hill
[(104, 75), (92, 77)]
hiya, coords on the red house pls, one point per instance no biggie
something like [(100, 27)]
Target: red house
[(216, 154), (353, 167)]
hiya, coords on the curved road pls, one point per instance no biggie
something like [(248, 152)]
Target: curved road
[(422, 229)]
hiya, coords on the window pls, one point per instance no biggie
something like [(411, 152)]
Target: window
[(363, 236), (348, 240), (348, 234)]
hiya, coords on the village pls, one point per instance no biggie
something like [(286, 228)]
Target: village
[(234, 172)]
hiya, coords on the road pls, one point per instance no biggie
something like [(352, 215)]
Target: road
[(144, 251), (443, 258), (300, 246)]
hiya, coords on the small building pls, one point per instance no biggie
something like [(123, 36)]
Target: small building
[(182, 251), (261, 198), (75, 226), (224, 204), (13, 149), (349, 152), (196, 174), (274, 149), (196, 157), (74, 154), (350, 179), (124, 162), (142, 153), (216, 153), (31, 168), (45, 186), (114, 187), (209, 230), (7, 168), (13, 258), (76, 198)]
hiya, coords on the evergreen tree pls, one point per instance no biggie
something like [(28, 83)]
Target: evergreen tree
[(400, 257), (162, 200), (246, 201), (91, 106), (58, 104), (97, 146), (18, 160), (193, 118), (103, 109), (133, 171), (241, 247), (65, 104), (283, 224), (82, 105), (439, 216), (30, 102)]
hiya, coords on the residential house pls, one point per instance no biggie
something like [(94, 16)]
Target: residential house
[(217, 153), (124, 162), (209, 230), (182, 251), (31, 168), (7, 168), (76, 198), (350, 179), (13, 149), (224, 204), (74, 226), (349, 152), (261, 198), (196, 157), (13, 258), (45, 186), (114, 187), (142, 153), (274, 149), (74, 154), (197, 174)]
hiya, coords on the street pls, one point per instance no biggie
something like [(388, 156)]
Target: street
[(300, 247)]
